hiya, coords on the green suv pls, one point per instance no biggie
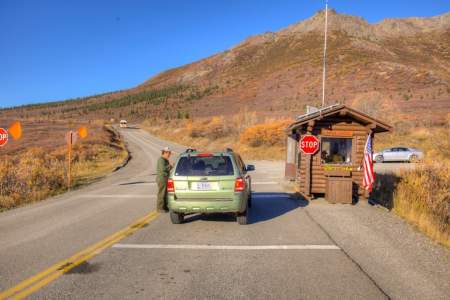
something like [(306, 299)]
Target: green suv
[(209, 183)]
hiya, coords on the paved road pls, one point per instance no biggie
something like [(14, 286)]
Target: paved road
[(292, 249)]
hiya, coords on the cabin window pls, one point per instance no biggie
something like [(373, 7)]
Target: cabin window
[(336, 150)]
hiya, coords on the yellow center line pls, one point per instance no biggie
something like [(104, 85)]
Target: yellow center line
[(43, 278), (62, 263)]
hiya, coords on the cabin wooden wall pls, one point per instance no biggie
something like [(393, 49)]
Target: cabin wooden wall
[(334, 128)]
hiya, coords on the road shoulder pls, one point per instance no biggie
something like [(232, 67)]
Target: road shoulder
[(402, 261)]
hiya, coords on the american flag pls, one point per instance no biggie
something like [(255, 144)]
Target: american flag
[(369, 176)]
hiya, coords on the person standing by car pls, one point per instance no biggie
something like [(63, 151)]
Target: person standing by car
[(163, 168)]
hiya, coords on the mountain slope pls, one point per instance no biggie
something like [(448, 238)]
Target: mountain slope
[(397, 68)]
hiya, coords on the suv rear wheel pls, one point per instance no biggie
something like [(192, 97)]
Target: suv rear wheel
[(176, 218), (242, 217)]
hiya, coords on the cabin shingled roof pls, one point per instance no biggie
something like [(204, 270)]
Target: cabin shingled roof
[(358, 116)]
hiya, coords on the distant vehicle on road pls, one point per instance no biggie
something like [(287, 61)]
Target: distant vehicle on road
[(123, 124), (203, 182), (398, 154)]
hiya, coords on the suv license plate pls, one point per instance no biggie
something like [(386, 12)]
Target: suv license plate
[(203, 186)]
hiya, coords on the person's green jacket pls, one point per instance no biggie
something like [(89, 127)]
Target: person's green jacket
[(162, 169)]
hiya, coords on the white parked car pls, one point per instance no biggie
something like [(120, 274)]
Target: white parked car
[(398, 154)]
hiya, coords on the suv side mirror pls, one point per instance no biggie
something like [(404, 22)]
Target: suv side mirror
[(250, 168)]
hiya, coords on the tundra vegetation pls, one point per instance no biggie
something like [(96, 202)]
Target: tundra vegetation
[(35, 173)]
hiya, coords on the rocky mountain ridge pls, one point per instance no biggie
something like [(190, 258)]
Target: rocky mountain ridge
[(397, 68)]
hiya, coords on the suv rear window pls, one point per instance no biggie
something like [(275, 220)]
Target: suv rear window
[(204, 166)]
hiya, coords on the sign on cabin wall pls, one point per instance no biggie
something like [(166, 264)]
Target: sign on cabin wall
[(340, 133), (337, 168)]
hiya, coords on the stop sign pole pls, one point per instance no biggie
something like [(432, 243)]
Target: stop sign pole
[(308, 145), (71, 138)]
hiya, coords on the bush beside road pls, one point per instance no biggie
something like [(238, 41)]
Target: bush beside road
[(422, 198)]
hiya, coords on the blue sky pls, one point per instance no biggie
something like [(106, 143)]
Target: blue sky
[(53, 50)]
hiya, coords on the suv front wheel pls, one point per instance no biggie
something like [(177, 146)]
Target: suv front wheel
[(176, 218)]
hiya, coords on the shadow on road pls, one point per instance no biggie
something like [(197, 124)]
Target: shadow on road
[(227, 217), (384, 188), (136, 182), (265, 206)]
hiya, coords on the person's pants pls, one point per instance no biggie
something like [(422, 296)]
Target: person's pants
[(162, 192)]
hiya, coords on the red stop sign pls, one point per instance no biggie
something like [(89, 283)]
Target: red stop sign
[(3, 136), (309, 144)]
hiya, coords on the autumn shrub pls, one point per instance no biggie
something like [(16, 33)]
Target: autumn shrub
[(267, 134), (33, 175), (423, 198), (9, 184)]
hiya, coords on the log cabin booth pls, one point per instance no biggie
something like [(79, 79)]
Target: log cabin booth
[(336, 136)]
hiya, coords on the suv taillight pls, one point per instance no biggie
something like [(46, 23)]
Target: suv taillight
[(239, 185), (170, 186)]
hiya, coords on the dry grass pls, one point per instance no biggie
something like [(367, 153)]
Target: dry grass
[(422, 197), (218, 133), (37, 173)]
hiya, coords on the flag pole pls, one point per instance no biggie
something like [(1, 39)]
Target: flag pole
[(324, 54)]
